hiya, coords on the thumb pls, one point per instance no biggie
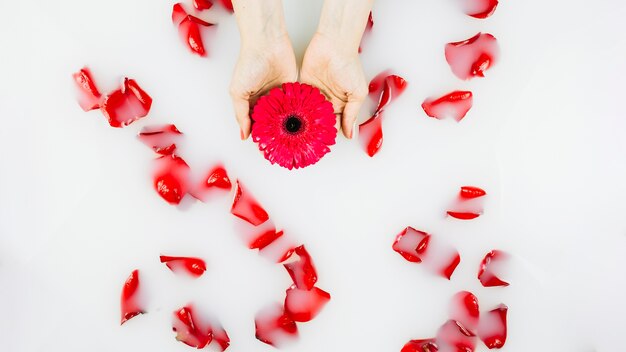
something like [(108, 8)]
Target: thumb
[(350, 113)]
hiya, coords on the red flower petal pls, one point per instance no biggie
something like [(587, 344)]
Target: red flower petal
[(455, 104), (218, 178), (178, 13), (189, 330), (393, 87), (202, 4), (265, 239), (247, 208), (302, 270), (160, 138), (193, 266), (130, 305), (469, 192), (189, 31), (228, 5), (368, 28), (489, 268), (221, 338), (480, 8), (492, 329), (464, 309), (89, 97), (376, 85), (472, 57), (371, 134), (411, 244), (126, 105), (452, 336), (304, 305), (171, 178), (463, 215), (426, 345), (273, 326)]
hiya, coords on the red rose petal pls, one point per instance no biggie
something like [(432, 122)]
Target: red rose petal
[(218, 178), (490, 266), (265, 239), (247, 208), (470, 192), (126, 105), (221, 338), (368, 28), (376, 85), (453, 336), (189, 31), (480, 8), (304, 305), (178, 13), (202, 4), (89, 96), (472, 57), (171, 178), (464, 309), (228, 5), (411, 244), (425, 345), (393, 87), (302, 270), (279, 250), (455, 105), (273, 326), (463, 215), (161, 138), (193, 266), (130, 305), (492, 329), (371, 134), (190, 330)]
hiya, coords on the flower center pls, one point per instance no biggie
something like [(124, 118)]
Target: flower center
[(293, 124)]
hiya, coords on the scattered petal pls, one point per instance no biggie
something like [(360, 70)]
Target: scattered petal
[(88, 95), (304, 305), (189, 29), (126, 105), (393, 87), (178, 13), (490, 267), (464, 309), (463, 215), (376, 85), (436, 255), (480, 8), (454, 105), (247, 208), (130, 304), (492, 329), (193, 266), (171, 178), (218, 178), (190, 330), (273, 326), (425, 345), (470, 192), (221, 338), (161, 138), (453, 336), (472, 57), (265, 239), (302, 270), (411, 244), (228, 5), (368, 28), (201, 5), (371, 134)]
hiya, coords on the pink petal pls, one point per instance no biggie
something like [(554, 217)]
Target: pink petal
[(191, 330), (304, 305), (171, 178), (131, 306), (454, 105), (492, 329), (302, 270), (480, 8), (472, 57), (247, 208), (88, 95), (464, 309), (126, 105), (193, 266), (490, 268), (411, 244), (453, 336), (371, 134), (161, 138), (273, 326), (425, 345)]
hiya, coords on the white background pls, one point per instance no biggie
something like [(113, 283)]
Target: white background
[(545, 138)]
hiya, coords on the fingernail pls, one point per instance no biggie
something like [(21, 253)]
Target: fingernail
[(241, 134)]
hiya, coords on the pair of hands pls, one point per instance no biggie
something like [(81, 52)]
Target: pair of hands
[(329, 64)]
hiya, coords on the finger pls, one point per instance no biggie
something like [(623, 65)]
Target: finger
[(242, 114), (350, 113)]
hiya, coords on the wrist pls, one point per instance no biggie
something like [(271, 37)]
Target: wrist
[(260, 22), (343, 22)]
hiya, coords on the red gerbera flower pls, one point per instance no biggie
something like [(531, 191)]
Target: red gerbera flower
[(294, 125)]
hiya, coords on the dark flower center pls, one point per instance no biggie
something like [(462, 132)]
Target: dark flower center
[(293, 124)]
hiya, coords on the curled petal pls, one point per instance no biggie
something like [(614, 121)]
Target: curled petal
[(304, 305), (265, 239), (464, 309), (273, 326), (126, 105), (88, 95), (452, 336), (454, 104), (171, 178), (247, 208), (411, 244), (472, 57), (425, 345), (371, 134), (161, 138), (490, 267), (130, 303), (201, 5), (470, 192), (302, 270), (463, 215), (190, 330), (480, 8), (193, 266), (178, 13), (492, 329)]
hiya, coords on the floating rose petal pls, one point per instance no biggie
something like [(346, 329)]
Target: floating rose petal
[(470, 192), (279, 250), (228, 5), (376, 85), (273, 326), (216, 178), (455, 105), (426, 345), (221, 338), (304, 305), (265, 239), (161, 138), (247, 208), (178, 13), (371, 134), (302, 270), (453, 337), (193, 266), (171, 178), (464, 309), (479, 8), (472, 57), (492, 329), (126, 105), (201, 5), (130, 304), (463, 215), (189, 28), (88, 95), (490, 267), (411, 244), (393, 87), (190, 330), (368, 28)]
